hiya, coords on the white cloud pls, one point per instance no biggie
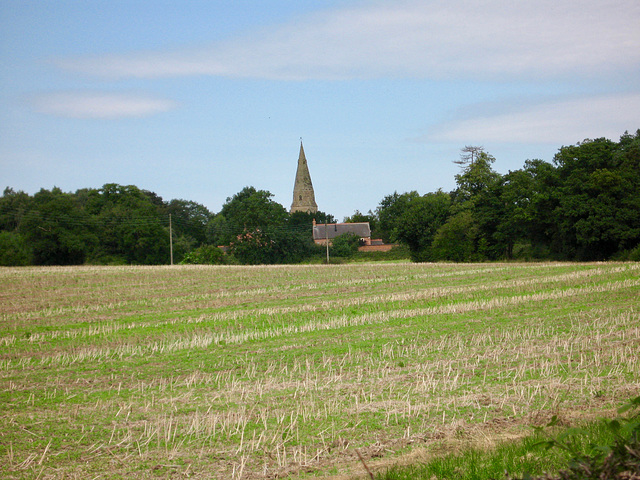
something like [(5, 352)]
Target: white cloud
[(416, 38), (561, 122), (100, 105)]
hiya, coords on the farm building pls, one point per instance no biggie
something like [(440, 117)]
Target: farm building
[(304, 201), (326, 232)]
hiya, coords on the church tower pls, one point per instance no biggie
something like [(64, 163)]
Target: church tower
[(304, 199)]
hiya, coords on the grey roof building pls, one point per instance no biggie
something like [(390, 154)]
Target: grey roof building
[(304, 200), (323, 231)]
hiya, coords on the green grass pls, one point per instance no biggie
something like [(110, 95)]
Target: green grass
[(607, 448), (253, 372), (518, 457)]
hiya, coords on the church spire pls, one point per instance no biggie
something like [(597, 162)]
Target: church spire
[(304, 199)]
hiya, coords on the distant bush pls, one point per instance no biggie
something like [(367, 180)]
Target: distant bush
[(345, 245), (632, 255), (400, 252), (204, 255), (13, 250), (107, 260)]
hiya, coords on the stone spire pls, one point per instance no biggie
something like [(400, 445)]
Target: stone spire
[(304, 199)]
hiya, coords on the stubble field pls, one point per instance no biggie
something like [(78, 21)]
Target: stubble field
[(272, 372)]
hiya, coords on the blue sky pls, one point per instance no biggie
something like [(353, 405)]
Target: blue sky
[(197, 99)]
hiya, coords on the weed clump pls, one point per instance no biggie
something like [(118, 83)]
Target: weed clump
[(618, 461)]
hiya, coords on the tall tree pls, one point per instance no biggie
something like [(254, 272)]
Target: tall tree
[(249, 210), (511, 212), (259, 230), (475, 179), (541, 215), (304, 220), (468, 155), (132, 228), (189, 219), (59, 232), (475, 211), (457, 239), (13, 206), (14, 250), (590, 213), (418, 223), (389, 212)]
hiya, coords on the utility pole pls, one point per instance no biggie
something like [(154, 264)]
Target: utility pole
[(326, 239), (170, 240)]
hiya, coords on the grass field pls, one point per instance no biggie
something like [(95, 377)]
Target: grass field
[(269, 372)]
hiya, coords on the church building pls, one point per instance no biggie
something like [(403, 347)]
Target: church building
[(304, 200)]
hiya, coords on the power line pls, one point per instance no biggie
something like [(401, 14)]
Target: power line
[(84, 220)]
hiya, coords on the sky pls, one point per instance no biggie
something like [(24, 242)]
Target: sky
[(198, 99)]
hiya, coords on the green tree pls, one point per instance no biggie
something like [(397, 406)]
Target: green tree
[(216, 230), (489, 211), (597, 203), (389, 212), (477, 196), (248, 211), (182, 245), (627, 159), (474, 180), (14, 250), (306, 218), (58, 230), (253, 247), (540, 214), (260, 231), (274, 244), (575, 165), (132, 228), (204, 255), (13, 206), (189, 219), (418, 223), (457, 239), (345, 245), (293, 245), (513, 210)]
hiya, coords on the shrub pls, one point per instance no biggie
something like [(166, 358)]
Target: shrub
[(619, 461), (204, 255), (14, 250), (345, 245)]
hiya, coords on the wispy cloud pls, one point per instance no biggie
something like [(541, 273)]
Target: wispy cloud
[(559, 122), (412, 38), (100, 105)]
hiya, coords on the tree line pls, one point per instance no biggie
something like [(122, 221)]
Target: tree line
[(123, 224), (585, 205)]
